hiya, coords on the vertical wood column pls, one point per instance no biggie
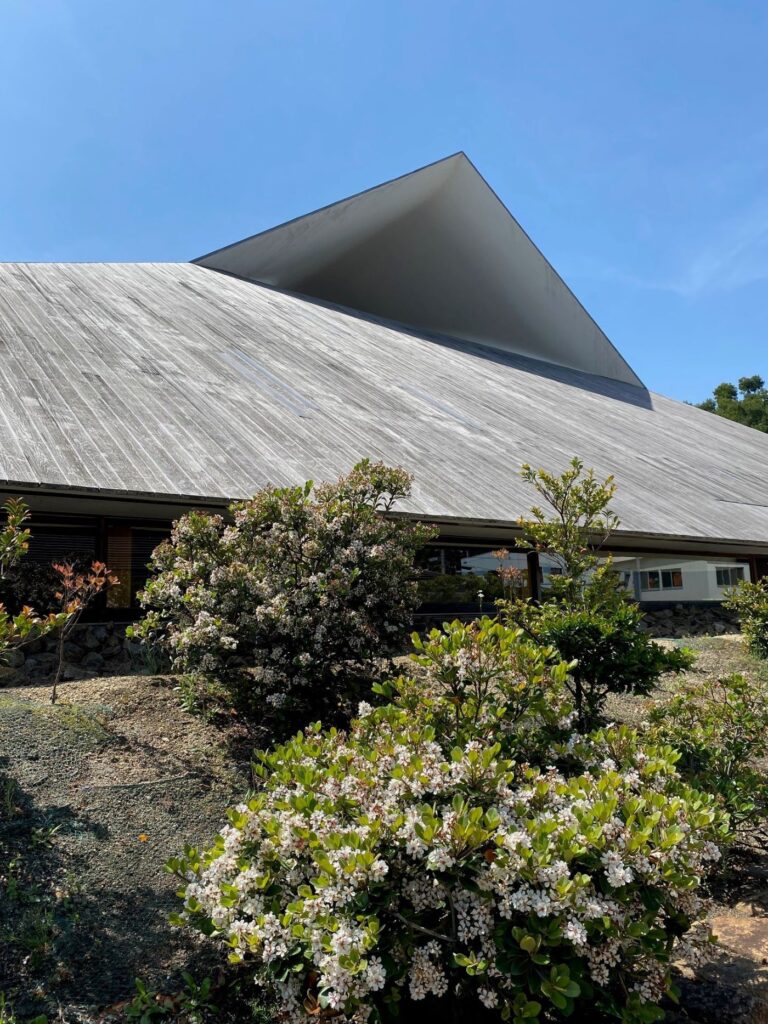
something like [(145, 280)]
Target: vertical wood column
[(534, 581)]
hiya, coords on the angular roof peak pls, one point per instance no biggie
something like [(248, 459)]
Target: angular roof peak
[(436, 250)]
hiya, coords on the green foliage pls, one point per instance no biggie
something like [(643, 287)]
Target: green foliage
[(721, 729), (15, 534), (23, 625), (588, 616), (7, 1016), (578, 520), (747, 403), (460, 849), (607, 652), (294, 599), (194, 1004), (750, 602), (486, 680)]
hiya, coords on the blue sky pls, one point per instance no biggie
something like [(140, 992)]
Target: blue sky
[(629, 140)]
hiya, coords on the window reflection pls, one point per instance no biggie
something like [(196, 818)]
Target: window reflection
[(474, 576)]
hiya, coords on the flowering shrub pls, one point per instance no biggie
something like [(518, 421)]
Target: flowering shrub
[(433, 853), (484, 681), (721, 729), (308, 586), (750, 602)]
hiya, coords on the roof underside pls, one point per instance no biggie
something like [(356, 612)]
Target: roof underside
[(173, 379), (437, 250)]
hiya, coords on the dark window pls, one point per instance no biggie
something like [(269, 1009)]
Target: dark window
[(650, 581), (671, 579), (661, 579), (455, 575), (33, 580), (729, 575), (61, 543), (129, 549)]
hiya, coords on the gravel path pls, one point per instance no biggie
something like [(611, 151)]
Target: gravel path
[(96, 793)]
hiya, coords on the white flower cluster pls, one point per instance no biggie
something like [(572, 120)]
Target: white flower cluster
[(372, 848), (301, 583)]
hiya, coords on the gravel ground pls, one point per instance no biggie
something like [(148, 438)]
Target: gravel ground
[(96, 793), (716, 656)]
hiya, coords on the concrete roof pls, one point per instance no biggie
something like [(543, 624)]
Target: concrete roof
[(175, 380), (438, 250)]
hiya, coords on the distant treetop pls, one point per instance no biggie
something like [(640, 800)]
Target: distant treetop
[(745, 403)]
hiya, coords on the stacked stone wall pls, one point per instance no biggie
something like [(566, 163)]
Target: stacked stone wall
[(93, 649), (103, 649)]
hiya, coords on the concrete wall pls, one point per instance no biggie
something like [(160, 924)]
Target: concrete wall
[(699, 578)]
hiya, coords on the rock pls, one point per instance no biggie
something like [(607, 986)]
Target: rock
[(90, 640), (688, 620), (40, 663), (93, 661), (133, 648), (14, 658)]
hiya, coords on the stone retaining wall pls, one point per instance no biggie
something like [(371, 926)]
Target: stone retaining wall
[(102, 649), (678, 620), (93, 649)]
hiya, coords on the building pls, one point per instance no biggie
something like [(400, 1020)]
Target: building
[(681, 579), (416, 323)]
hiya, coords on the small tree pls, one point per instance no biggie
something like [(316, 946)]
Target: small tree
[(573, 536), (78, 591), (750, 602), (589, 617), (26, 625), (295, 598)]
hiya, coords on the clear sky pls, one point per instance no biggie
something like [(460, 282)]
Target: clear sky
[(629, 139)]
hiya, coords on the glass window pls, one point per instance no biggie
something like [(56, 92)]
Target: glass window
[(729, 575), (661, 579), (62, 544), (650, 580), (129, 549), (33, 580), (456, 574)]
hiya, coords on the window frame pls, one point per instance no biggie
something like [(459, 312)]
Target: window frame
[(730, 569), (659, 574)]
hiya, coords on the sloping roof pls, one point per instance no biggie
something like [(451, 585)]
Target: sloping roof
[(438, 250), (170, 379)]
